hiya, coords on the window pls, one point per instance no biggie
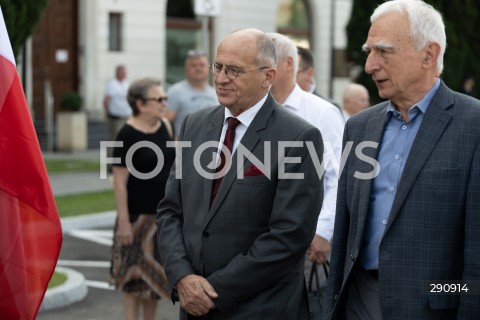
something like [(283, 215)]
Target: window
[(293, 18), (183, 34), (115, 32)]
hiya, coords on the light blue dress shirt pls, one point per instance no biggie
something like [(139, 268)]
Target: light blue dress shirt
[(394, 149)]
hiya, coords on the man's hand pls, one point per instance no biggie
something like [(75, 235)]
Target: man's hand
[(319, 250), (196, 294)]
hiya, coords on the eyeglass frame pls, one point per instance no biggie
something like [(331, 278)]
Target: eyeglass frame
[(159, 99), (227, 70)]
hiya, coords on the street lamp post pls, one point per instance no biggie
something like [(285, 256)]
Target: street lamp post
[(332, 48), (206, 9)]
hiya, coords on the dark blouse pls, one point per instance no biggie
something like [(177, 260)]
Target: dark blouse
[(143, 193)]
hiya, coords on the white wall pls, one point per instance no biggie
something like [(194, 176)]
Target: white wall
[(144, 39), (237, 14), (143, 45), (343, 11), (322, 44)]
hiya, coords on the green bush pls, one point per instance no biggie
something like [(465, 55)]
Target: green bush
[(71, 101)]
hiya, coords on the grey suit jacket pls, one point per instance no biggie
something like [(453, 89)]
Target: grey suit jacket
[(433, 231), (250, 244)]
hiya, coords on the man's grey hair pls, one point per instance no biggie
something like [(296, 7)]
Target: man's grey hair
[(267, 55), (285, 48), (426, 23)]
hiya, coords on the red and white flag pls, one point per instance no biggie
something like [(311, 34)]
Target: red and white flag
[(30, 230)]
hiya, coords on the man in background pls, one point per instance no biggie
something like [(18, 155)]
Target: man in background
[(355, 99), (306, 73), (115, 101), (192, 94), (323, 115)]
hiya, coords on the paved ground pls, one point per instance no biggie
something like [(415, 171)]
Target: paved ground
[(88, 251), (79, 182)]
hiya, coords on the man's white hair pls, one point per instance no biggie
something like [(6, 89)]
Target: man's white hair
[(426, 23), (285, 48)]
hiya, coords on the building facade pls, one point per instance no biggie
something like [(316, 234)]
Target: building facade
[(78, 43)]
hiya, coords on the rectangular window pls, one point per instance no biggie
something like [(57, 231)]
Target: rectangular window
[(179, 41), (115, 32)]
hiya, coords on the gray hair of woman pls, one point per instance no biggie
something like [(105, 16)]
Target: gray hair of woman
[(138, 90)]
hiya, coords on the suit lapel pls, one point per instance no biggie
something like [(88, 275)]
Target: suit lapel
[(374, 133), (249, 141), (433, 125), (212, 132)]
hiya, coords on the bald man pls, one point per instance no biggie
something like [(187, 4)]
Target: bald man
[(355, 99), (234, 248)]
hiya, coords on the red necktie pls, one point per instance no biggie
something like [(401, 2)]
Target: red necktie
[(228, 142)]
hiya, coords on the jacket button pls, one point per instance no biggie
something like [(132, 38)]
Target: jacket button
[(336, 297), (352, 258), (206, 234)]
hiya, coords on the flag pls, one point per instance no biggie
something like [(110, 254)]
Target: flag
[(30, 230)]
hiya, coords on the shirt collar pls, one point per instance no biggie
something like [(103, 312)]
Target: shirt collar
[(246, 117), (421, 105), (294, 98)]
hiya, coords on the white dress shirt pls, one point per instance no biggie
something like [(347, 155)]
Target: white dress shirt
[(245, 118), (327, 118)]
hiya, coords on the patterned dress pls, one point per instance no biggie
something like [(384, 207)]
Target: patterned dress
[(136, 268)]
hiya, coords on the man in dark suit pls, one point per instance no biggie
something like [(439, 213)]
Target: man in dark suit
[(306, 74), (408, 209), (233, 247)]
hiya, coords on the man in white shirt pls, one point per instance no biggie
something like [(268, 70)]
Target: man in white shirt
[(327, 118), (115, 101)]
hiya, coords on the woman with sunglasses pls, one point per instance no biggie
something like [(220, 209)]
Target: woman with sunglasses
[(139, 179)]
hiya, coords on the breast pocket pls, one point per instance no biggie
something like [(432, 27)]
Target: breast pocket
[(253, 200)]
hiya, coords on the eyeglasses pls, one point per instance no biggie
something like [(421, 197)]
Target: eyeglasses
[(231, 72), (159, 99)]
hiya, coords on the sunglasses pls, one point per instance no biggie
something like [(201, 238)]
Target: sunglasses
[(159, 99)]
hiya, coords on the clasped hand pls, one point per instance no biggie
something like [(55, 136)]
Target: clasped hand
[(319, 250), (196, 294)]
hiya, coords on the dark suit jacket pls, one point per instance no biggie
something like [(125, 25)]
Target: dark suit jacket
[(250, 245), (331, 101), (433, 231)]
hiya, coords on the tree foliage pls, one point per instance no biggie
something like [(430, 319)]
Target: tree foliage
[(461, 18), (21, 16)]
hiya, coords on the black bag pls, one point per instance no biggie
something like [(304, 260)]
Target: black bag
[(315, 298)]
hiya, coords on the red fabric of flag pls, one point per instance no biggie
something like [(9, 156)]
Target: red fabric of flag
[(30, 230)]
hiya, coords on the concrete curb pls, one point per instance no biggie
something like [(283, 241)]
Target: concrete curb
[(73, 290), (75, 287), (94, 220)]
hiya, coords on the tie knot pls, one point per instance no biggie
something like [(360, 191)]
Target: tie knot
[(232, 122)]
